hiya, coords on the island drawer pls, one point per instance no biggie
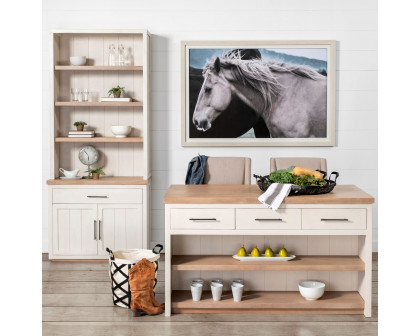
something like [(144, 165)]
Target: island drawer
[(333, 219), (203, 219), (267, 219), (92, 195)]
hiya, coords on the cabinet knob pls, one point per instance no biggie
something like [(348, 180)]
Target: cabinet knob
[(203, 219), (97, 196)]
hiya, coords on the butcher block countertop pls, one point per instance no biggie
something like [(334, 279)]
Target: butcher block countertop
[(248, 194)]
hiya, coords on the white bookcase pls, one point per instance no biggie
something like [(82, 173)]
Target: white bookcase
[(74, 204)]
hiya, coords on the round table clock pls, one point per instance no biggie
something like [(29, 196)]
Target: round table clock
[(88, 155)]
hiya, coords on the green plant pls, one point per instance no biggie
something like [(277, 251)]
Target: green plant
[(78, 123), (99, 170), (116, 91)]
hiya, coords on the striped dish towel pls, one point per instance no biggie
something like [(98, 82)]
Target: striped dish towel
[(275, 195)]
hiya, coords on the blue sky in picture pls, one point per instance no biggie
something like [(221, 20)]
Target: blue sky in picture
[(315, 58)]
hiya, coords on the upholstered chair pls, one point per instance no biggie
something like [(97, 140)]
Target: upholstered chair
[(307, 162), (228, 170)]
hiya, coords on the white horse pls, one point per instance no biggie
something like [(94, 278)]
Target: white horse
[(292, 99)]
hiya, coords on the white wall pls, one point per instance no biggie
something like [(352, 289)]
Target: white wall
[(353, 23)]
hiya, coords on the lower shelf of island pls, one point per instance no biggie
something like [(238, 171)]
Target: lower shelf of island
[(268, 302)]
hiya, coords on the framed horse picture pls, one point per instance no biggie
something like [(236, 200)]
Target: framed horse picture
[(258, 93)]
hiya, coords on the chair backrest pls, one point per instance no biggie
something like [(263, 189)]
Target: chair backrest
[(307, 162), (228, 170)]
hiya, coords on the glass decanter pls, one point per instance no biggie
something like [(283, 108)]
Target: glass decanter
[(111, 55), (121, 55)]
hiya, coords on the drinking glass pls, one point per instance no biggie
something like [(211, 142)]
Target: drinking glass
[(85, 94), (75, 93)]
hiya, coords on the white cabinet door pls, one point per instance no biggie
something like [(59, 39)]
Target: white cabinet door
[(120, 227), (73, 230)]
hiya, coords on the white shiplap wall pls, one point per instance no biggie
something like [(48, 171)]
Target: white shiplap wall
[(352, 23)]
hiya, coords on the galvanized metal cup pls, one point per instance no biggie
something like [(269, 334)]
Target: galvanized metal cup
[(216, 290), (237, 291), (196, 290)]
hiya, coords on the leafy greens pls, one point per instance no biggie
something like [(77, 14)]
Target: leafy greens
[(286, 176)]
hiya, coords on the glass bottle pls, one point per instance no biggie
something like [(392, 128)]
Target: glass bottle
[(121, 55), (127, 57), (111, 55)]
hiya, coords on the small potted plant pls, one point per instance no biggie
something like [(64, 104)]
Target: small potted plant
[(95, 172), (116, 91), (80, 125)]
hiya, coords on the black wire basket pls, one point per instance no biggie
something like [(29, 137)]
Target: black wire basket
[(264, 182)]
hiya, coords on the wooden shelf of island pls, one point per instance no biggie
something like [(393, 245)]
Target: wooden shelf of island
[(98, 68), (103, 180), (300, 263), (99, 139), (266, 302), (97, 104)]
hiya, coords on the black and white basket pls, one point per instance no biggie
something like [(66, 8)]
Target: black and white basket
[(119, 264)]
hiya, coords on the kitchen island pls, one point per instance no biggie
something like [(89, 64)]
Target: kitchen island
[(331, 234)]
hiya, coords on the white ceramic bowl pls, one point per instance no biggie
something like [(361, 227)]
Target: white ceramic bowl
[(77, 60), (311, 290), (121, 131)]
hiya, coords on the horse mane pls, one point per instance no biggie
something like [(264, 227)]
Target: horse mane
[(258, 74)]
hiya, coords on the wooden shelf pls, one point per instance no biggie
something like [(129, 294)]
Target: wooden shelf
[(260, 302), (103, 180), (98, 68), (301, 263), (99, 139), (102, 104)]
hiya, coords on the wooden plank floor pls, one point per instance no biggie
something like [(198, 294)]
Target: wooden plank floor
[(77, 301)]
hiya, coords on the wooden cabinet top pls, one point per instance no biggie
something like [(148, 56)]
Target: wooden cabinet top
[(104, 180), (248, 194)]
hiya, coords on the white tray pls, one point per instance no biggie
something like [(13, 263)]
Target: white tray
[(264, 258), (111, 99)]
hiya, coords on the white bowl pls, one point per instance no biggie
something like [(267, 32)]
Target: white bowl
[(121, 131), (311, 290), (77, 60)]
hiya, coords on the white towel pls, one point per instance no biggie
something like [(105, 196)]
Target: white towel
[(275, 194)]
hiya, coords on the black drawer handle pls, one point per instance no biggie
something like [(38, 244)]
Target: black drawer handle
[(268, 219), (203, 219), (97, 196), (334, 219)]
